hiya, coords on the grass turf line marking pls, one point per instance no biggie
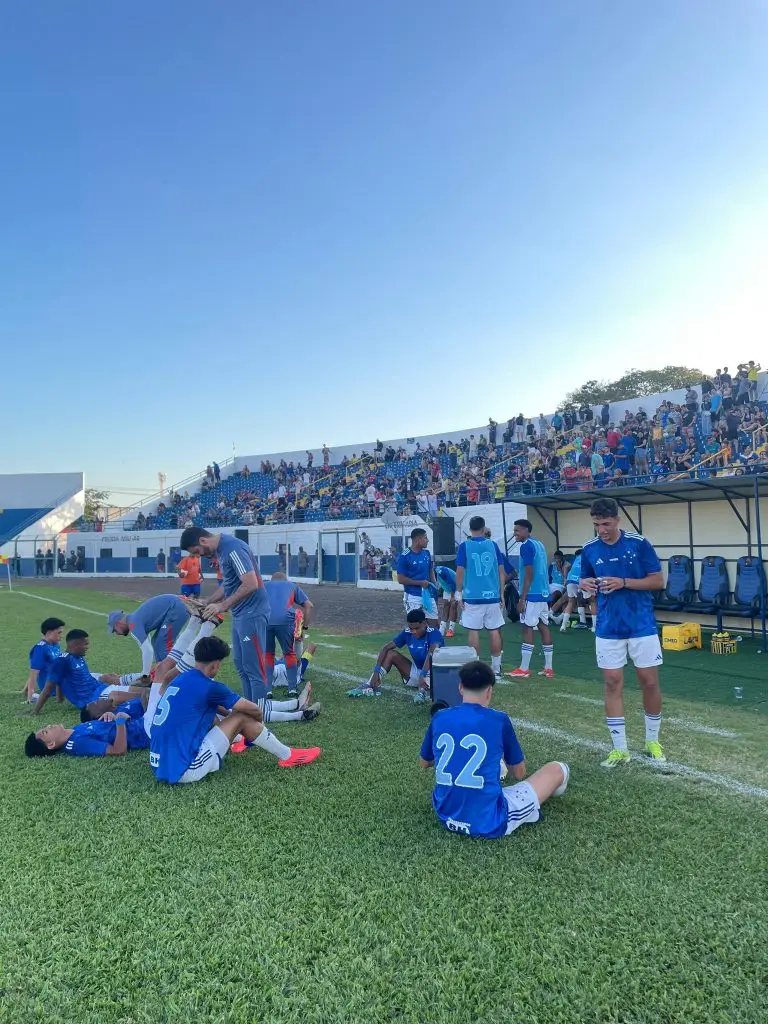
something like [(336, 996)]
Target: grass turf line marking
[(684, 723), (62, 604), (367, 654), (336, 647), (670, 768)]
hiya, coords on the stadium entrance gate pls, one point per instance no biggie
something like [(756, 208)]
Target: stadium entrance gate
[(338, 556)]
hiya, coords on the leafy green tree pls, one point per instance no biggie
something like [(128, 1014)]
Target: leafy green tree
[(634, 384), (95, 500)]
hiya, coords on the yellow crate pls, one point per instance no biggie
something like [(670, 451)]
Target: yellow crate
[(677, 638), (723, 643)]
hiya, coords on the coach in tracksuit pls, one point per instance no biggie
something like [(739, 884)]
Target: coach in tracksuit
[(242, 594)]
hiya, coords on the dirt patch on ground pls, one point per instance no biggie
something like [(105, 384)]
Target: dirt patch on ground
[(338, 609)]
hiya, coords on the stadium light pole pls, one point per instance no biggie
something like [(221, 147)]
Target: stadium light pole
[(758, 530)]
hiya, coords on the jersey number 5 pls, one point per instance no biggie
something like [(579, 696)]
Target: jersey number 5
[(163, 707)]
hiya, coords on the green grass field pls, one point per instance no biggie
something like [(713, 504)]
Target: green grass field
[(330, 894)]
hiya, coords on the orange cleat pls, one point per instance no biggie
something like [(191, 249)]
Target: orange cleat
[(239, 746), (548, 672), (300, 756), (519, 673)]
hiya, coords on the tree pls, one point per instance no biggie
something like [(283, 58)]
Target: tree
[(634, 384), (95, 501)]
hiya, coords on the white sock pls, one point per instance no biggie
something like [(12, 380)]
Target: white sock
[(451, 627), (496, 664), (583, 616), (130, 678), (548, 652), (152, 702), (618, 733), (268, 741), (285, 705), (443, 627), (186, 637), (283, 716), (527, 651), (566, 620), (652, 726)]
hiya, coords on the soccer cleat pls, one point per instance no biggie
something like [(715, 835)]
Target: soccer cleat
[(364, 691), (293, 693), (450, 635), (615, 758), (548, 672), (304, 696), (300, 756), (422, 697), (311, 712), (580, 625), (269, 695), (519, 673), (239, 746), (565, 627), (654, 752), (564, 784)]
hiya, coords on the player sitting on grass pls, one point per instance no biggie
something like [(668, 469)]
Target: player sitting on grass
[(422, 641), (112, 734), (42, 656), (71, 674), (468, 742), (186, 745), (280, 677), (446, 581)]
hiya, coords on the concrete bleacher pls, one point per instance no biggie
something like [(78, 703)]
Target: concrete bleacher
[(34, 509)]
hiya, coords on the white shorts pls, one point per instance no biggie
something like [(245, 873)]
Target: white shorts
[(209, 757), (109, 690), (414, 679), (482, 616), (535, 612), (644, 651), (573, 591), (556, 588), (423, 600), (522, 806)]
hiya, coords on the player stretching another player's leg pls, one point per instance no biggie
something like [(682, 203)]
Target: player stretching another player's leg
[(422, 641), (534, 600), (623, 569), (480, 578), (466, 744)]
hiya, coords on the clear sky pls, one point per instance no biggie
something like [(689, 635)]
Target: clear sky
[(287, 223)]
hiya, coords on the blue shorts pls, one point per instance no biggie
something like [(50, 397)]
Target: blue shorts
[(190, 589)]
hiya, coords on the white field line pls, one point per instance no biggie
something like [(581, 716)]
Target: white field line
[(335, 647), (367, 654), (670, 768), (684, 723)]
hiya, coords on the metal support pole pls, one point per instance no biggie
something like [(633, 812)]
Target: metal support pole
[(758, 531), (504, 527)]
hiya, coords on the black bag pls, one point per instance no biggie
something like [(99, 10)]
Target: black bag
[(511, 597)]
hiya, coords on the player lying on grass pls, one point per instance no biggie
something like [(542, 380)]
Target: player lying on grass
[(42, 656), (468, 742), (280, 677), (186, 745), (422, 641), (446, 581), (113, 734), (78, 684)]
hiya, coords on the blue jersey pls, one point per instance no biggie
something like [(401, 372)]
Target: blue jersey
[(91, 739), (283, 596), (185, 713), (574, 573), (533, 553), (418, 647), (74, 677), (467, 743), (446, 578), (41, 657), (624, 614), (556, 574), (134, 708), (165, 613), (415, 565), (235, 560), (480, 559)]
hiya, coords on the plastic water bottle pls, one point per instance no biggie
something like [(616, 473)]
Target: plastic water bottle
[(738, 692)]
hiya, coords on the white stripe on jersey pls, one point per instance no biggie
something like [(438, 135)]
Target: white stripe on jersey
[(238, 565)]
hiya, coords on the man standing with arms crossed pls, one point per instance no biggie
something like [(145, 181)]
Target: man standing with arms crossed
[(622, 569), (479, 588)]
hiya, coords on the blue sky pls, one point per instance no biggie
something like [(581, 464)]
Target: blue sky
[(284, 224)]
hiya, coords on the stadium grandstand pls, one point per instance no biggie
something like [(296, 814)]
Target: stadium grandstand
[(34, 510)]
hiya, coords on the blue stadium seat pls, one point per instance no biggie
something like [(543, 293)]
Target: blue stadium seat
[(714, 593), (750, 586), (680, 589)]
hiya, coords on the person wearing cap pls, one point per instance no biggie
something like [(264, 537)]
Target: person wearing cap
[(156, 626)]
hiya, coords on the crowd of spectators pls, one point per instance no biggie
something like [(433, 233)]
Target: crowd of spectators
[(719, 429)]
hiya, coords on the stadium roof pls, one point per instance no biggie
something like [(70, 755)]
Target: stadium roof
[(664, 492)]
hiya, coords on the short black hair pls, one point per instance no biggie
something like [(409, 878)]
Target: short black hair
[(211, 648), (577, 551), (76, 634), (604, 508), (526, 523), (437, 705), (416, 615), (477, 523), (476, 675), (191, 536), (418, 531), (48, 625), (85, 715), (33, 747), (558, 552)]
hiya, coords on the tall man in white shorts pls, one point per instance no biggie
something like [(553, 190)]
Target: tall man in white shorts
[(416, 575), (480, 578), (622, 569), (534, 600)]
